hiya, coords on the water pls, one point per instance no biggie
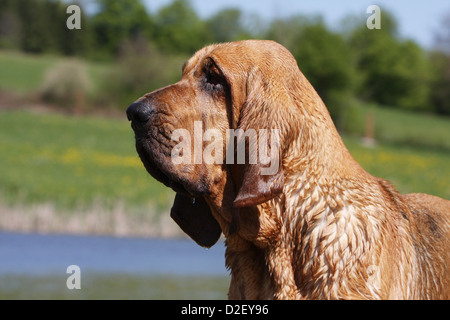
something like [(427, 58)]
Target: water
[(45, 254), (34, 266)]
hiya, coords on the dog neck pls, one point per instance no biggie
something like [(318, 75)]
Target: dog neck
[(336, 228), (333, 219), (323, 236)]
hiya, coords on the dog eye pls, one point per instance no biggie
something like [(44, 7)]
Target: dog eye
[(214, 81)]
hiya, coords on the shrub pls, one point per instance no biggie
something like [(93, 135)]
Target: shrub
[(66, 84), (139, 69)]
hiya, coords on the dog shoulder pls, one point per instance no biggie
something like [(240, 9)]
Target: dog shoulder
[(431, 213), (431, 216)]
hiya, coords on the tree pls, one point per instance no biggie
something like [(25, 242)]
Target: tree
[(118, 20), (179, 29), (440, 61), (39, 26), (440, 88), (287, 31), (69, 42), (36, 26), (226, 25), (10, 25), (323, 57), (442, 36), (140, 68), (394, 72)]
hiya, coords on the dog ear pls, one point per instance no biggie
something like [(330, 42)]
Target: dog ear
[(261, 177), (256, 188), (195, 218)]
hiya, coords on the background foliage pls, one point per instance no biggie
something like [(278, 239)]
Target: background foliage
[(355, 63)]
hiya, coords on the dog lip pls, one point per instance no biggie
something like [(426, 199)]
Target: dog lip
[(157, 173), (139, 126), (162, 177)]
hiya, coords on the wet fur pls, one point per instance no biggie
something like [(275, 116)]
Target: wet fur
[(322, 227)]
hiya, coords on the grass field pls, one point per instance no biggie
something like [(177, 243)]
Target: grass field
[(114, 286), (410, 169), (21, 72), (75, 164), (393, 126), (72, 161), (25, 73)]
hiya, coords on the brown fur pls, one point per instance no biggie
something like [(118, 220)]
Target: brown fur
[(321, 227)]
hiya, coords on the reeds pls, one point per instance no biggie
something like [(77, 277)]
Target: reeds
[(119, 221)]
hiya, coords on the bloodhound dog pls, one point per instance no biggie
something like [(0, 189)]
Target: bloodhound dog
[(314, 226)]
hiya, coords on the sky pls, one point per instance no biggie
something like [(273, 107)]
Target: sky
[(418, 20)]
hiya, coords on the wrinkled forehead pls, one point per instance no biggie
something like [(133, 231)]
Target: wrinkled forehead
[(227, 53), (242, 56), (197, 59)]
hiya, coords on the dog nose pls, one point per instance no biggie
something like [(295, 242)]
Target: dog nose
[(139, 112)]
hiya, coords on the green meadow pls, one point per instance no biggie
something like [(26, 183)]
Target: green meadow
[(75, 174), (410, 169), (72, 161), (24, 73), (115, 286)]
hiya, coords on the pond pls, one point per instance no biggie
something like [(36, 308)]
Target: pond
[(35, 266)]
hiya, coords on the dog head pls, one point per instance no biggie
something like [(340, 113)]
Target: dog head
[(218, 136)]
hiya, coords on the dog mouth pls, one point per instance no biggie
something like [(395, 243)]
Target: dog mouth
[(159, 168), (155, 171)]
